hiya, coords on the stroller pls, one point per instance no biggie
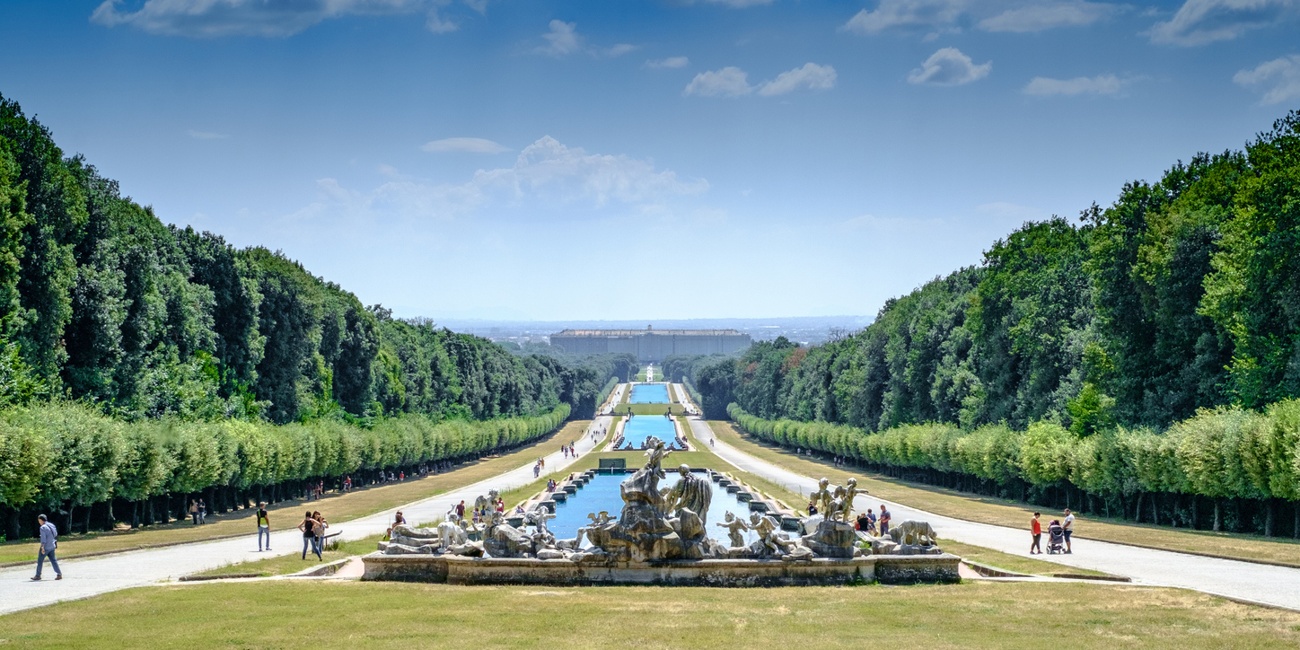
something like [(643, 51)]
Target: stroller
[(1055, 538)]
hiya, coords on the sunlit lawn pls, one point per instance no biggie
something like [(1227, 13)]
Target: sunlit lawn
[(280, 614)]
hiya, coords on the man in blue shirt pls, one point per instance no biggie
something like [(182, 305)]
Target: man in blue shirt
[(49, 542)]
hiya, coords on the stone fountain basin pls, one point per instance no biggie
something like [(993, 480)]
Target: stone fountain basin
[(452, 569)]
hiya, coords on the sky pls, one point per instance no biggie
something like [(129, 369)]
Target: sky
[(623, 159)]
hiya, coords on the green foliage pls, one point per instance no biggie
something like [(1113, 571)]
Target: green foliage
[(70, 454), (1178, 297), (1225, 453)]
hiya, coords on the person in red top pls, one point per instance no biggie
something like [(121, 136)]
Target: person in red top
[(1036, 528)]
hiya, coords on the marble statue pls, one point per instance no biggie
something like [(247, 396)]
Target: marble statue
[(691, 492), (913, 532), (735, 527)]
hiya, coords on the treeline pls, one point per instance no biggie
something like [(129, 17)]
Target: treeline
[(1181, 295), (1225, 469), (102, 302), (98, 470)]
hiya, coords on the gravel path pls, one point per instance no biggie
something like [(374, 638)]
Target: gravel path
[(1259, 583), (94, 576)]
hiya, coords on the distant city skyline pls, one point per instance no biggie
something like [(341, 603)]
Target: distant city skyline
[(679, 159)]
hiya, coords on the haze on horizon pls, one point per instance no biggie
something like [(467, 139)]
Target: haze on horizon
[(483, 159)]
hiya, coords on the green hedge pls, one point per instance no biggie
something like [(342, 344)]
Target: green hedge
[(1226, 454), (70, 455)]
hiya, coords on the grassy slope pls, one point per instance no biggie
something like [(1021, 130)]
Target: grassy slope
[(393, 615), (337, 508), (286, 564), (1010, 513)]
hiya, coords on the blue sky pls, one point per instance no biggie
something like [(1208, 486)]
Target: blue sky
[(618, 159)]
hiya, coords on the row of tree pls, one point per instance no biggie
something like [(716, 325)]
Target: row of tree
[(97, 469), (1224, 469), (102, 302), (1181, 295)]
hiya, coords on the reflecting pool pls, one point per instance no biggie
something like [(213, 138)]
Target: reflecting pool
[(601, 493), (640, 427), (649, 394)]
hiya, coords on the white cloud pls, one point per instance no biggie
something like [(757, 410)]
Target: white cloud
[(438, 24), (545, 175), (619, 50), (562, 39), (727, 82), (206, 135), (464, 145), (811, 76), (1281, 78), (216, 18), (671, 62), (734, 82), (1199, 22), (1105, 84), (949, 67), (907, 14), (1040, 16)]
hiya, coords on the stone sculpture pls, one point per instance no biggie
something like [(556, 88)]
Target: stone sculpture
[(913, 533), (735, 529), (691, 493)]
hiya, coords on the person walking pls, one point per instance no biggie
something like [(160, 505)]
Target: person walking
[(203, 512), (320, 527), (194, 511), (1068, 528), (308, 528), (263, 526), (1036, 530), (460, 509), (884, 520), (49, 543)]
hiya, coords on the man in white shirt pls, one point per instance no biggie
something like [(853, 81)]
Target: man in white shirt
[(1068, 526)]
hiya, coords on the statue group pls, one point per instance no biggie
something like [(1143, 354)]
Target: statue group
[(655, 525)]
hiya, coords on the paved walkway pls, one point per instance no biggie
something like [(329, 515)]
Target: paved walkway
[(94, 576), (1271, 585)]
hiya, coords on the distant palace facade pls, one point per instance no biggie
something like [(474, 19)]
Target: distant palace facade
[(651, 345)]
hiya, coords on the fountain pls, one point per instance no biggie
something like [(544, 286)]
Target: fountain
[(661, 537)]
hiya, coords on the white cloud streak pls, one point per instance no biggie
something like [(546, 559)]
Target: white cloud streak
[(1199, 22), (734, 82), (670, 63), (810, 76), (949, 67), (906, 14), (1279, 78), (1041, 16), (545, 175), (464, 145), (726, 82), (943, 16), (219, 18), (1106, 84)]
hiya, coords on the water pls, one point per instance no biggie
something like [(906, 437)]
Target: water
[(649, 394), (640, 427), (601, 493)]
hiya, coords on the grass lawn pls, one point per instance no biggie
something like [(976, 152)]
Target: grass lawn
[(286, 564), (338, 507), (649, 409), (1003, 512), (395, 615)]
